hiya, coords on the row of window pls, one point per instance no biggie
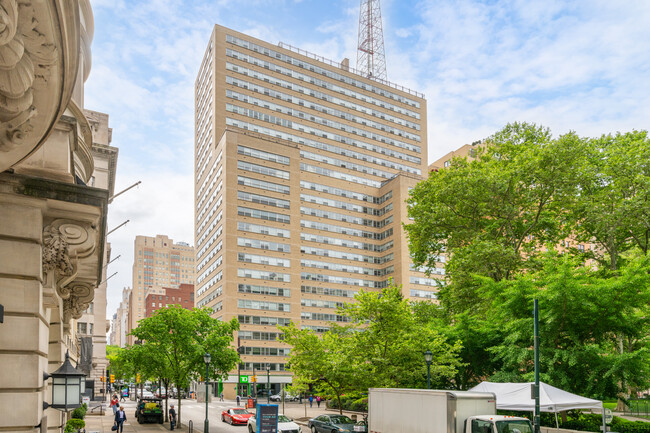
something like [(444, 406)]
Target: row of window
[(260, 154), (261, 214), (263, 260), (263, 200), (260, 169), (423, 294), (263, 320), (257, 183), (265, 351), (346, 243), (344, 255), (308, 315), (263, 230), (263, 275), (264, 245), (339, 267), (339, 175), (209, 297), (213, 237), (263, 290), (332, 111), (317, 290), (351, 153), (346, 193), (263, 336), (346, 230), (302, 127), (317, 69), (321, 120), (319, 303), (346, 218)]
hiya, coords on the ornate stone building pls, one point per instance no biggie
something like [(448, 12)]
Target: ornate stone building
[(52, 221)]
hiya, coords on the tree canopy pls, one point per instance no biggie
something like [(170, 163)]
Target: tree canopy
[(173, 341), (381, 346), (504, 220)]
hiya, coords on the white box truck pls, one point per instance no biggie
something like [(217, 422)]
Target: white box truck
[(393, 410)]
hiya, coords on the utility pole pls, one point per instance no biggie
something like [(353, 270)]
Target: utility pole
[(371, 60), (536, 345)]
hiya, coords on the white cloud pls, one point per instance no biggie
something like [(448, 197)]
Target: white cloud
[(579, 66)]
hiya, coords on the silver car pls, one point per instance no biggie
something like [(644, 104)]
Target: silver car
[(285, 425)]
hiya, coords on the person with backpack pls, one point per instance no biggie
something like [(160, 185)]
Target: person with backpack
[(172, 417)]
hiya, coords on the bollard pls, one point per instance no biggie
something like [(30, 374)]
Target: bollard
[(190, 426)]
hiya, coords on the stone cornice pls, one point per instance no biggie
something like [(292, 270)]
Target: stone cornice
[(39, 61)]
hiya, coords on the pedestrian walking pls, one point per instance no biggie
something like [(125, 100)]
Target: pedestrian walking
[(172, 417), (120, 417), (115, 404), (221, 396), (318, 400), (123, 395), (311, 401), (238, 400)]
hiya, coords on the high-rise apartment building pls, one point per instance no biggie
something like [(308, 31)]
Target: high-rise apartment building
[(302, 168), (158, 262)]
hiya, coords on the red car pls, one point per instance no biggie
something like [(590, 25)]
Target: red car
[(236, 415)]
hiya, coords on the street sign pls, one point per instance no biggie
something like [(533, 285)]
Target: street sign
[(608, 416), (244, 379)]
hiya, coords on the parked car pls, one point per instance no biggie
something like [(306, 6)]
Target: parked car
[(237, 415), (330, 423), (287, 397), (285, 425), (146, 394), (149, 409)]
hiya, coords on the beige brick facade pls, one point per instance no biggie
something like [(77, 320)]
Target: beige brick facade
[(302, 168)]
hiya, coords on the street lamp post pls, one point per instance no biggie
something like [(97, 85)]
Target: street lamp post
[(428, 357), (206, 359), (268, 384)]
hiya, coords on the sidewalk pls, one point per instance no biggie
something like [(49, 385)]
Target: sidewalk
[(103, 424)]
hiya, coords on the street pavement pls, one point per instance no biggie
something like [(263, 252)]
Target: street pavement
[(195, 412)]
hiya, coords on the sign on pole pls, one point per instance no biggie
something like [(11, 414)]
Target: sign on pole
[(267, 418)]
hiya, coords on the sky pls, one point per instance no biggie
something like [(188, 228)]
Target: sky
[(581, 65)]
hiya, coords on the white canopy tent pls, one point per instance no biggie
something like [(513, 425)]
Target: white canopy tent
[(518, 396)]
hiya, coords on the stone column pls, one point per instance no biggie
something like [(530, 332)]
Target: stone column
[(24, 335)]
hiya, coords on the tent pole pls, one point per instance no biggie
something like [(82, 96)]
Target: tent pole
[(604, 421), (557, 425)]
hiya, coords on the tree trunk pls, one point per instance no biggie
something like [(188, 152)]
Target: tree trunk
[(166, 401)]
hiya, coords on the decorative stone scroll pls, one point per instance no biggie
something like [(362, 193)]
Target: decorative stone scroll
[(68, 248)]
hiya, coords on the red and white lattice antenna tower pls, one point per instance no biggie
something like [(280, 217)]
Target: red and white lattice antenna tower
[(371, 60)]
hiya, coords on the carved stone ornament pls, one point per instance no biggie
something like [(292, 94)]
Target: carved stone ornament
[(67, 247), (35, 81)]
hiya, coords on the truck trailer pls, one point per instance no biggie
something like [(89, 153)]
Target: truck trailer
[(392, 410)]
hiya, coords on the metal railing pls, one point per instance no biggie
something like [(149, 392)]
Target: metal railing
[(638, 407), (348, 69)]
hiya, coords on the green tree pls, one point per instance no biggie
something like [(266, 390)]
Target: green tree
[(490, 214), (388, 351), (321, 361), (181, 337), (382, 346), (583, 316), (611, 205)]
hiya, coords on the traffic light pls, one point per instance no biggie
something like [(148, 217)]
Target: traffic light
[(112, 378), (137, 378), (102, 379), (254, 379)]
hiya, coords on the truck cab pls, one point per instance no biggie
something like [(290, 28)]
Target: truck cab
[(497, 424)]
